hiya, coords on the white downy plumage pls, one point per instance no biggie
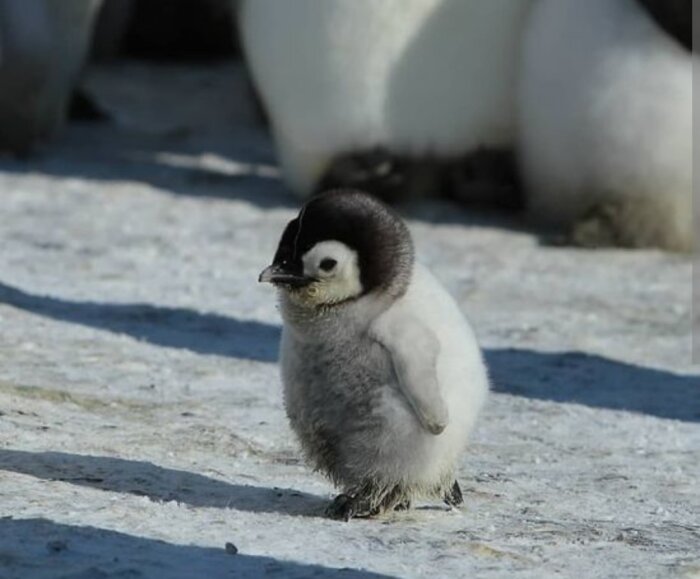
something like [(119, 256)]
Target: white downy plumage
[(605, 113), (407, 329), (419, 423), (42, 50), (415, 76)]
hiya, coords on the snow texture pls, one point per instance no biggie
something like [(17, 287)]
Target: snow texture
[(141, 419)]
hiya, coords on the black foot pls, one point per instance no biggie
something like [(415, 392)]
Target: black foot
[(403, 506), (369, 500), (384, 174), (485, 178), (454, 497), (345, 507), (599, 227)]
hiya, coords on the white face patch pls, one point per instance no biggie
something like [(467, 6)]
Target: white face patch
[(336, 268)]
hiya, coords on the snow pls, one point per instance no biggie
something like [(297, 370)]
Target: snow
[(141, 420)]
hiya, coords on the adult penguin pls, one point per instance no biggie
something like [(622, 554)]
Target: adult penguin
[(43, 44), (605, 120), (357, 88), (24, 68)]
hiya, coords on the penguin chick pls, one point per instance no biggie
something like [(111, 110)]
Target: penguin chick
[(383, 378)]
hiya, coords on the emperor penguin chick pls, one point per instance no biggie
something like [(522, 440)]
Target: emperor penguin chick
[(383, 378)]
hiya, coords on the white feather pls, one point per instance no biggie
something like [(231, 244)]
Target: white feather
[(43, 44), (402, 451), (605, 110), (417, 76), (423, 458)]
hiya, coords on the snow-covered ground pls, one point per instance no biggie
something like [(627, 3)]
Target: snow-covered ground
[(141, 421)]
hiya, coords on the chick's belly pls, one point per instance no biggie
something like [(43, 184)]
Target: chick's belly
[(354, 422), (405, 452)]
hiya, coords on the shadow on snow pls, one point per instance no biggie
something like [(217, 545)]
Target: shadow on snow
[(158, 483), (39, 548), (182, 328), (573, 377)]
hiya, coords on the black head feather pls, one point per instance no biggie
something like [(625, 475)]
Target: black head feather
[(363, 223)]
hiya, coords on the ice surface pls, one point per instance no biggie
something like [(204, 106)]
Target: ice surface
[(141, 420)]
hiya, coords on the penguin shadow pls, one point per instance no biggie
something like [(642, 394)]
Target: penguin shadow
[(574, 377), (595, 381), (158, 483), (33, 546), (181, 328), (230, 167)]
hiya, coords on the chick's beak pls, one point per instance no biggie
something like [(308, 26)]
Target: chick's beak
[(276, 274)]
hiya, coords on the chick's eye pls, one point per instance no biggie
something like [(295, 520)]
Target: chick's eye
[(327, 264)]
